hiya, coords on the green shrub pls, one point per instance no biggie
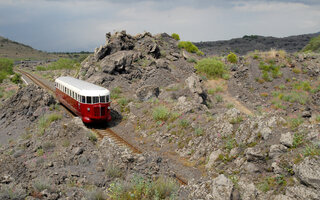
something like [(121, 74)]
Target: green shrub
[(236, 120), (16, 78), (183, 123), (12, 192), (296, 70), (311, 150), (294, 96), (53, 117), (230, 144), (212, 67), (40, 152), (6, 68), (200, 53), (226, 76), (295, 122), (265, 76), (313, 45), (232, 58), (297, 140), (198, 131), (175, 36), (92, 136), (219, 98), (6, 65), (41, 184), (211, 91), (190, 47), (115, 93), (123, 102), (3, 75), (191, 60), (160, 113)]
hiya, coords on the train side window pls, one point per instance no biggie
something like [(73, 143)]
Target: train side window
[(108, 98), (95, 99), (83, 99), (88, 99), (102, 99), (72, 94), (65, 90)]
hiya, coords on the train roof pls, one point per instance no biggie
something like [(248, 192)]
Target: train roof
[(82, 87)]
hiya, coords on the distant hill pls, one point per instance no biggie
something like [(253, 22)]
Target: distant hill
[(18, 51), (254, 42), (21, 52)]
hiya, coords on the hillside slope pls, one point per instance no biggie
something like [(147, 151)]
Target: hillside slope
[(250, 43), (17, 51), (251, 134)]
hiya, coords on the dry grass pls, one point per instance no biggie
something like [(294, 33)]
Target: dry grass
[(273, 53)]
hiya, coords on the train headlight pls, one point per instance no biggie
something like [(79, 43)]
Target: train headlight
[(109, 108), (88, 109)]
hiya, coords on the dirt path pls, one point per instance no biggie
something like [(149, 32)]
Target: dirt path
[(213, 84)]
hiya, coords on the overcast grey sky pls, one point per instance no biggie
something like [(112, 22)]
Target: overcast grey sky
[(76, 25)]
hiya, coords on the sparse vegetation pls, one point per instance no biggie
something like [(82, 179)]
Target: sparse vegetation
[(41, 184), (9, 192), (219, 98), (270, 68), (313, 45), (183, 123), (198, 131), (192, 60), (212, 67), (236, 120), (123, 102), (139, 188), (160, 113), (272, 183), (62, 63), (96, 194), (45, 121), (295, 122), (297, 140), (115, 93), (113, 171), (311, 150)]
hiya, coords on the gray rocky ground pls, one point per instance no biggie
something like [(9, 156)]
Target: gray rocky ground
[(253, 42), (246, 137)]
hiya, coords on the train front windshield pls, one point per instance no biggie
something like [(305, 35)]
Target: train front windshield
[(95, 99)]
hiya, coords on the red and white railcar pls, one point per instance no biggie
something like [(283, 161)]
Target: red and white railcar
[(90, 102)]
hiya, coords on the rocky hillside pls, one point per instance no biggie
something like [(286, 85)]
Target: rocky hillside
[(15, 50), (253, 134), (254, 42)]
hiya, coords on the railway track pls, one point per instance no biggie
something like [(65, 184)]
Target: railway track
[(118, 140)]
